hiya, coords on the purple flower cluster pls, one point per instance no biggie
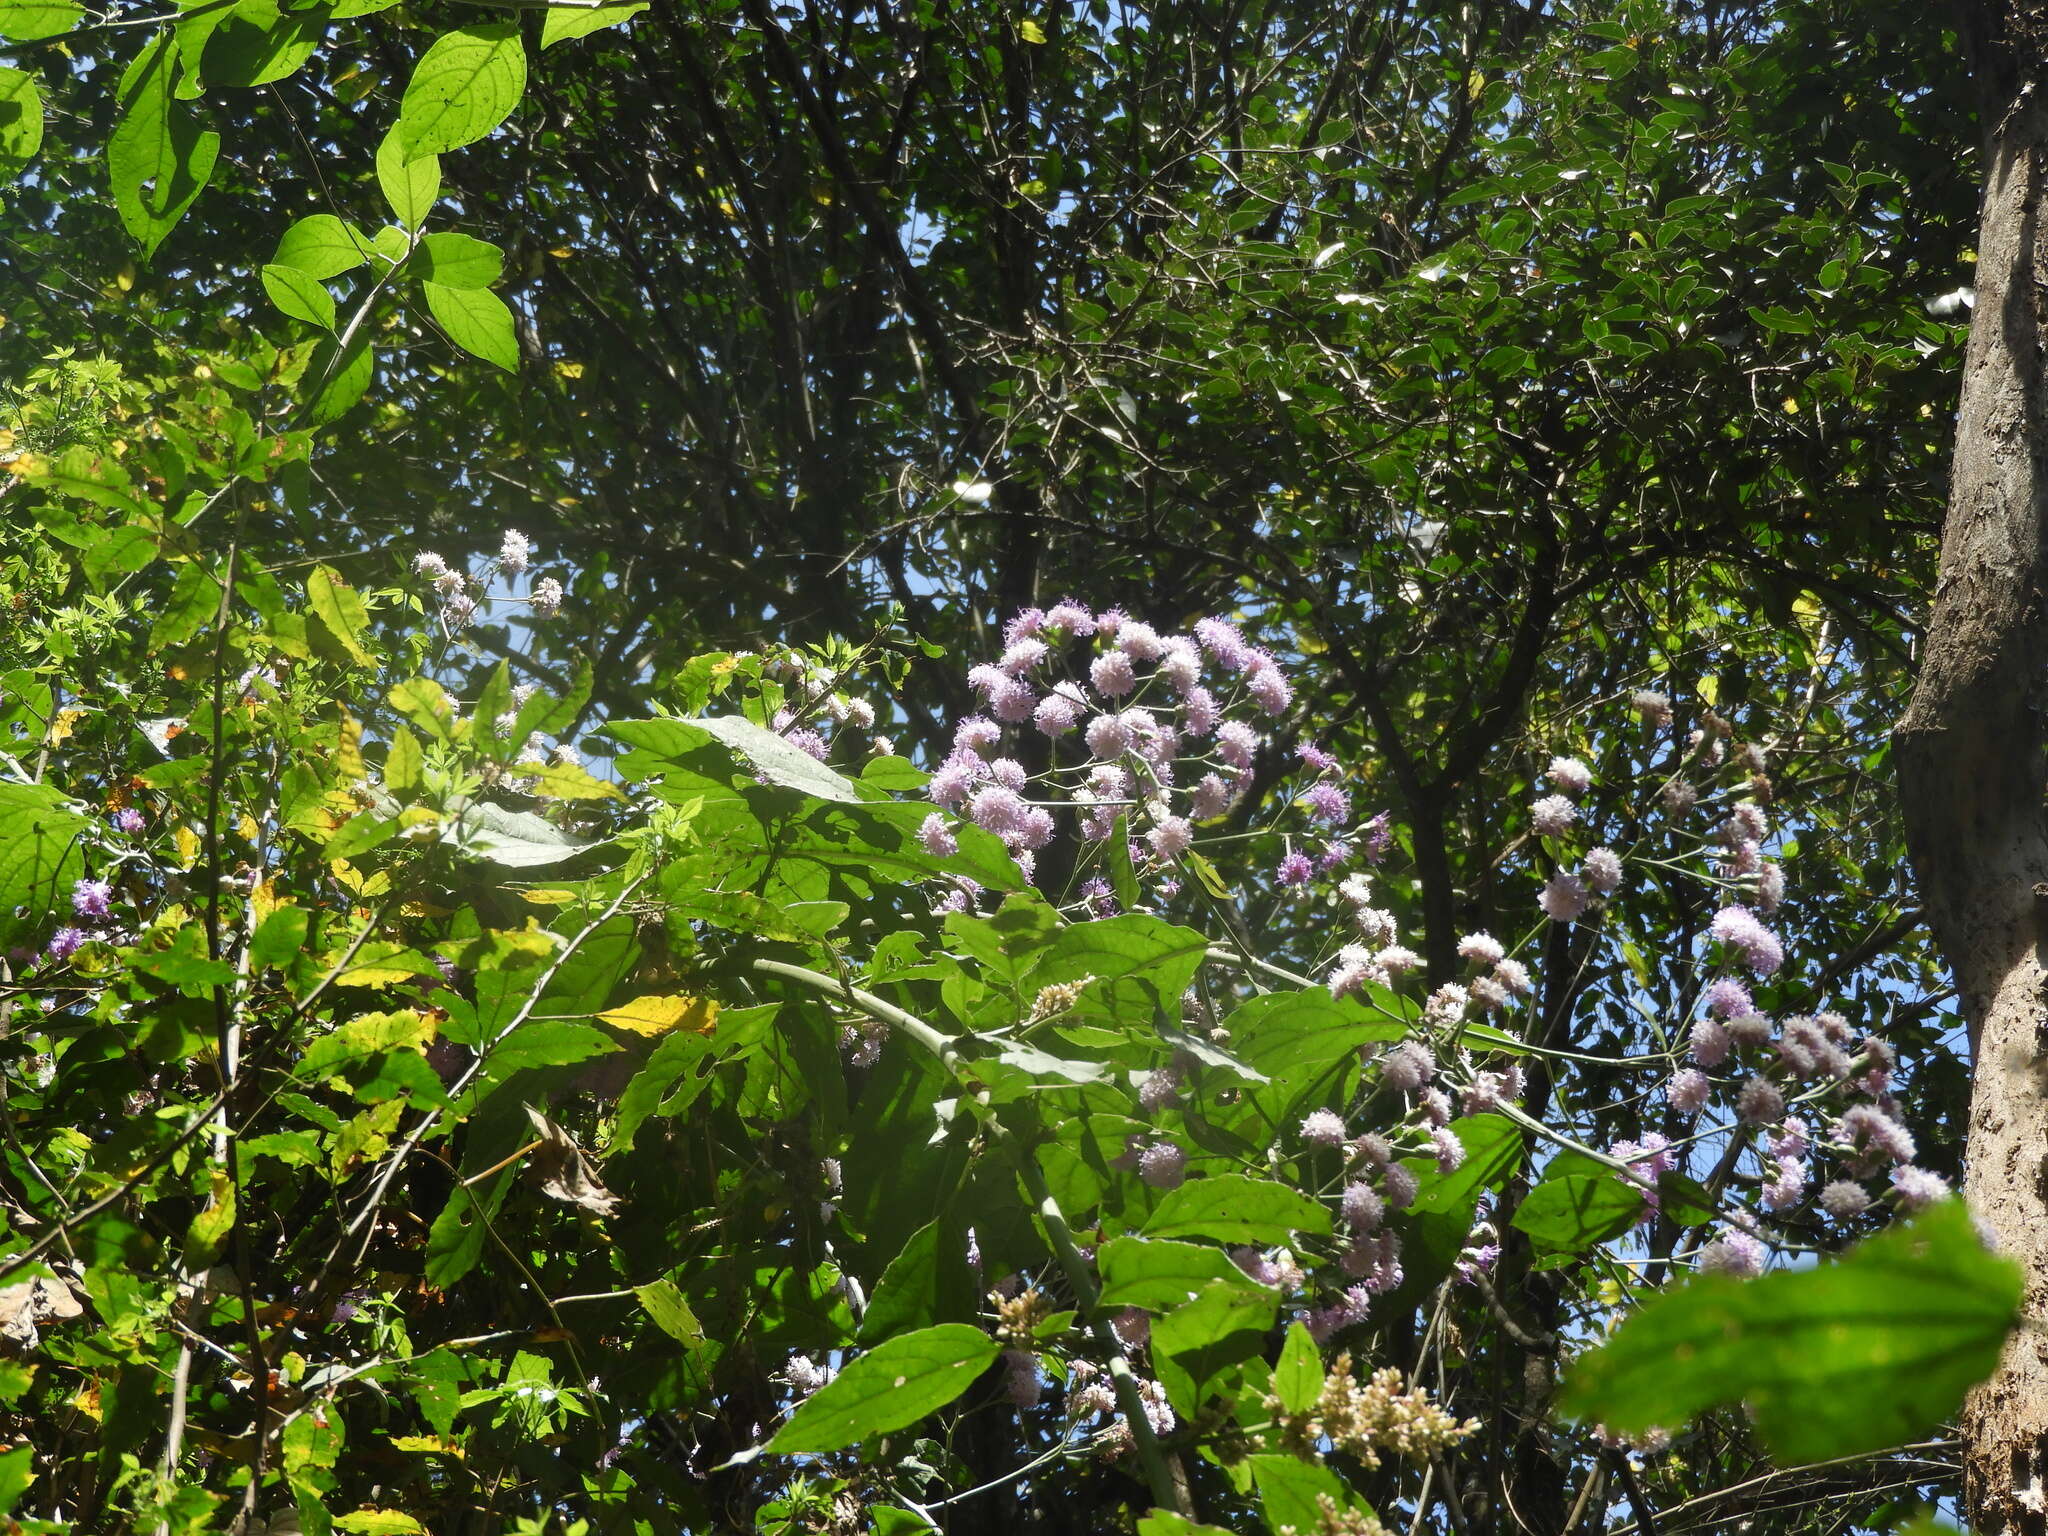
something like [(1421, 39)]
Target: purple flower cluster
[(1156, 732), (459, 592)]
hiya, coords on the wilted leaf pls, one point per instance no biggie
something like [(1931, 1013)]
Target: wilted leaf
[(565, 1173)]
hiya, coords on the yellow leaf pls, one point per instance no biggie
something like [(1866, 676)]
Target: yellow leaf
[(378, 1522), (264, 900), (188, 846), (1030, 31), (1790, 406), (62, 726), (426, 1443), (550, 897), (348, 752), (659, 1015), (569, 370), (566, 781)]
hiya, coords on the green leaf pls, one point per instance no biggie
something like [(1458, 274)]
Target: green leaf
[(928, 1282), (890, 1387), (456, 1240), (1871, 1350), (258, 44), (195, 598), (459, 261), (340, 608), (158, 157), (360, 1039), (411, 186), (515, 839), (21, 119), (768, 754), (1290, 1488), (1778, 318), (476, 320), (17, 1475), (1139, 963), (360, 834), (184, 963), (404, 764), (378, 1522), (467, 83), (1158, 1274), (1236, 1208), (339, 376), (40, 860), (30, 21), (663, 1302), (1294, 1036), (1572, 1212), (321, 246), (300, 296), (564, 22), (1298, 1378), (280, 936), (1194, 1344), (1164, 1522)]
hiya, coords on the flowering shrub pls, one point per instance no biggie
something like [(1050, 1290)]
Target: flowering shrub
[(720, 1090)]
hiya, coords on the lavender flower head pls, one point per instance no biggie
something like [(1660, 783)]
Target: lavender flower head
[(1323, 1128), (1569, 776), (1564, 898)]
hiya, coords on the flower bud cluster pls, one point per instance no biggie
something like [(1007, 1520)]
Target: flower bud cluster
[(1370, 1420)]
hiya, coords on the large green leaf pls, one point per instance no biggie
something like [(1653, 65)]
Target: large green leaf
[(340, 608), (258, 43), (928, 1282), (21, 119), (476, 320), (1159, 1274), (298, 295), (564, 22), (1195, 1343), (40, 860), (459, 261), (1294, 1036), (339, 375), (515, 839), (1138, 964), (30, 21), (1868, 1351), (322, 246), (1570, 1212), (158, 157), (893, 1385), (410, 184), (1298, 1377), (1236, 1208), (770, 756), (466, 84)]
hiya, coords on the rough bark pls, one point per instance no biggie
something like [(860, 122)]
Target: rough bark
[(1970, 754)]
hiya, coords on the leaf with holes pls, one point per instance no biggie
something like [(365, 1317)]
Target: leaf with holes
[(466, 84)]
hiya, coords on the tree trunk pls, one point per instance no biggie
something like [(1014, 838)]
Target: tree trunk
[(1970, 753)]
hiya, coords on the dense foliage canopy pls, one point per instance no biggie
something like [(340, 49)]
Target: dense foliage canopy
[(839, 767)]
